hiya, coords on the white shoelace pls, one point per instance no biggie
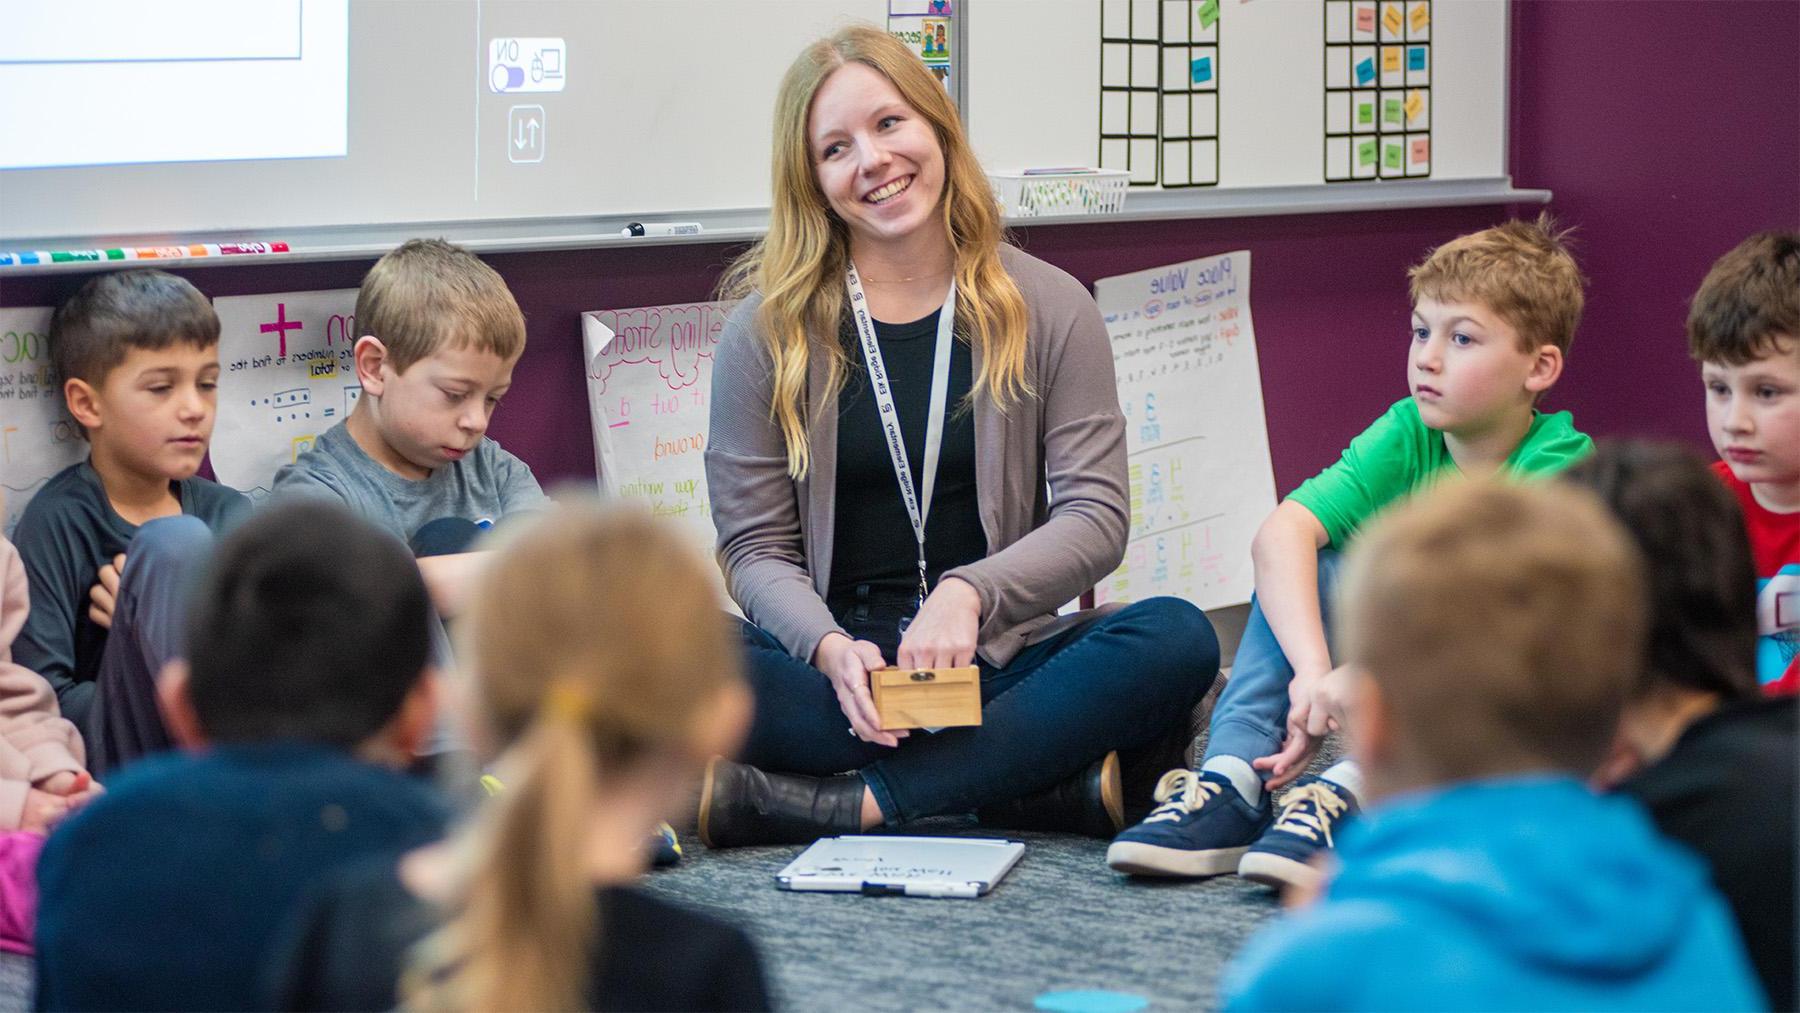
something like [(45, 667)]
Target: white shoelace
[(1327, 807), (1181, 792)]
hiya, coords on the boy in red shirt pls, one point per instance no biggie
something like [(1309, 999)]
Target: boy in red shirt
[(1744, 330)]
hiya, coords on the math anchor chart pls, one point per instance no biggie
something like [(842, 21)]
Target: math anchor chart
[(37, 436), (288, 374), (649, 380), (1198, 448)]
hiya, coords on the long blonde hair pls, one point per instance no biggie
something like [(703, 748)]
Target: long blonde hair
[(586, 658), (799, 266)]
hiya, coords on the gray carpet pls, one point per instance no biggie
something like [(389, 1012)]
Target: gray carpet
[(1061, 920)]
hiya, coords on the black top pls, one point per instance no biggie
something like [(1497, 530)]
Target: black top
[(351, 944), (1727, 790), (67, 532), (872, 542)]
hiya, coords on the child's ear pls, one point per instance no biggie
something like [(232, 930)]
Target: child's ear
[(418, 714), (721, 724), (178, 706), (1546, 369), (83, 401), (1371, 729), (370, 355)]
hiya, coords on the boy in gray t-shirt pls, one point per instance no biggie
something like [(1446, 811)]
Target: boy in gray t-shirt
[(440, 337)]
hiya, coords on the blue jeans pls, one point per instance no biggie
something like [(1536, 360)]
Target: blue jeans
[(149, 616), (1250, 719), (1119, 682)]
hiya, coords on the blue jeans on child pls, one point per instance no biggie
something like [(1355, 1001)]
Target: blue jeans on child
[(1250, 719), (1119, 682), (149, 616)]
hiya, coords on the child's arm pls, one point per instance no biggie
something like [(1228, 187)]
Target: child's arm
[(1286, 555), (448, 579)]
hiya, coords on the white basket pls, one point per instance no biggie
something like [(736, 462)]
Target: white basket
[(1098, 192)]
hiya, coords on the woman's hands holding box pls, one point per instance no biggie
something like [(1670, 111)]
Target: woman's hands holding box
[(943, 634)]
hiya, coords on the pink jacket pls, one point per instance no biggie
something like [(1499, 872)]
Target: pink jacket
[(35, 741)]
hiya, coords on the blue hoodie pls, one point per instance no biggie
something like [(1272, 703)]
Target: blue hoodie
[(1525, 893)]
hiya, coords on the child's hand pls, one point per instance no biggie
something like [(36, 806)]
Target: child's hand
[(105, 593), (68, 783), (42, 811), (1331, 702)]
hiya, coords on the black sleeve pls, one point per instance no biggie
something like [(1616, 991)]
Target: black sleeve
[(58, 574)]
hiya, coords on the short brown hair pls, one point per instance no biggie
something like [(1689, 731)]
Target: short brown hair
[(92, 332), (1521, 270), (1503, 624), (1749, 303), (429, 295)]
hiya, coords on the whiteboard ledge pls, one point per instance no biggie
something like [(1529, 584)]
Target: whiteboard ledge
[(746, 225)]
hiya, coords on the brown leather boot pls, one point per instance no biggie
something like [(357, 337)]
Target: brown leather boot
[(740, 805), (1091, 803)]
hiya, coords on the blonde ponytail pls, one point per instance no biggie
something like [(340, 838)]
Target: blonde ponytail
[(579, 672)]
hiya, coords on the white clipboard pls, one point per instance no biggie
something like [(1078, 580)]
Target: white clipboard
[(962, 867)]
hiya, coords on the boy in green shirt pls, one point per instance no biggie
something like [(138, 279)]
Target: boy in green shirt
[(1494, 313)]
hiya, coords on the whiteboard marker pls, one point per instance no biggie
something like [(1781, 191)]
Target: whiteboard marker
[(662, 229)]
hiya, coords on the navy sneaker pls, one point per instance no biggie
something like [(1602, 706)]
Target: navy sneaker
[(1201, 828), (1312, 812)]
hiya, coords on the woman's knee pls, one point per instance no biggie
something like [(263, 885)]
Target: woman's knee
[(1176, 628)]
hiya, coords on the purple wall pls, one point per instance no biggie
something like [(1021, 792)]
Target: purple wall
[(1668, 132)]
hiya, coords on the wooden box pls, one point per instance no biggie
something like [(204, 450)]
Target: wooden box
[(926, 697)]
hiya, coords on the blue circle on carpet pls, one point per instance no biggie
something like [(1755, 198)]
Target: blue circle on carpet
[(1090, 1001)]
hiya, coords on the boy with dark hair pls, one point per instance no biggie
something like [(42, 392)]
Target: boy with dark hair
[(1494, 314), (440, 337), (1714, 761), (1492, 631), (1744, 330), (306, 689), (108, 543)]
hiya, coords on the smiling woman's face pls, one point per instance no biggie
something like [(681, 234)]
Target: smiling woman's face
[(877, 160)]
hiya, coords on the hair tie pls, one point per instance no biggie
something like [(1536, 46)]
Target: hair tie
[(569, 700)]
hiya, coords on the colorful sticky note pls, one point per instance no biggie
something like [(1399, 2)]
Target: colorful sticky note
[(1421, 150), (1202, 70), (1390, 59), (1390, 157), (1365, 112), (1209, 14), (1390, 111), (1365, 71), (1365, 19), (1415, 104), (1365, 153), (1391, 18), (1415, 58), (1421, 17)]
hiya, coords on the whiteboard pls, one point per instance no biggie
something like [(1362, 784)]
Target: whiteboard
[(665, 106), (1034, 84)]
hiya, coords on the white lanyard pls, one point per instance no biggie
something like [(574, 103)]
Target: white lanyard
[(918, 506)]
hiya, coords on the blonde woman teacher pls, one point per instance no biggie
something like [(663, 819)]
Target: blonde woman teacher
[(917, 456)]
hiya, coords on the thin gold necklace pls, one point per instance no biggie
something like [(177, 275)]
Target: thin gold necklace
[(902, 281)]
